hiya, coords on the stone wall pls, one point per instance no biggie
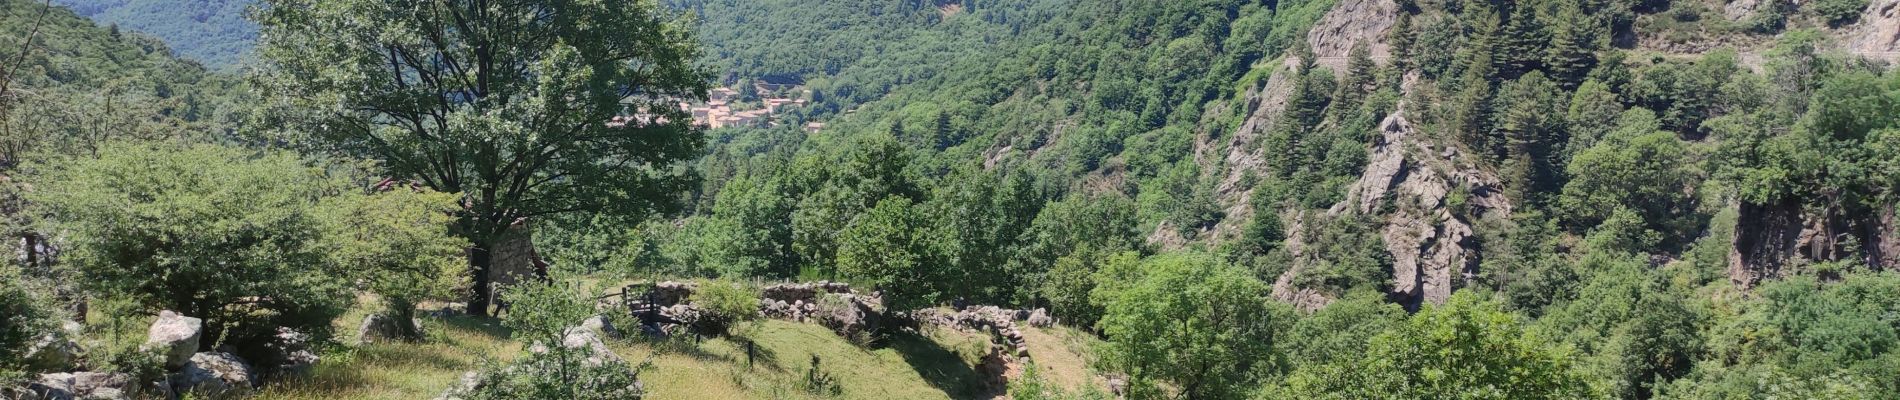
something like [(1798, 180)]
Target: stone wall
[(514, 256)]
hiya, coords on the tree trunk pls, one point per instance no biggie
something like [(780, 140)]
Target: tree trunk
[(478, 263), (404, 312), (32, 252)]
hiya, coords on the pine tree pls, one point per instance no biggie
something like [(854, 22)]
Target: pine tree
[(1530, 119), (1304, 52), (944, 134), (1573, 45), (1403, 40), (1287, 145), (1475, 60), (1522, 45), (1615, 75), (1469, 113), (1360, 77)]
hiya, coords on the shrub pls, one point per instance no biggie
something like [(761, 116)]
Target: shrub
[(1839, 12), (541, 313), (560, 373), (819, 382), (724, 303), (397, 244), (543, 310), (1467, 348), (221, 233), (25, 314), (1190, 309)]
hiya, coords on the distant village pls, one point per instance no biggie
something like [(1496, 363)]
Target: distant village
[(729, 108)]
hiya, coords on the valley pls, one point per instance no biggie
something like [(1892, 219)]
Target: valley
[(950, 199)]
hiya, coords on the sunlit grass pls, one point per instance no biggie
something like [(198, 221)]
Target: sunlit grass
[(1063, 355), (401, 370), (938, 364)]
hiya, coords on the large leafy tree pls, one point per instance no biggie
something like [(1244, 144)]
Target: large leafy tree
[(884, 248), (505, 102), (1189, 326), (1465, 349)]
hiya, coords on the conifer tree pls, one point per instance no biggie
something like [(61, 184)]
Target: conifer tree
[(1403, 42), (1475, 60), (1530, 120), (1360, 77), (1574, 38), (1521, 46)]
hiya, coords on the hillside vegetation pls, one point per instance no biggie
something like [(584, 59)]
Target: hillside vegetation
[(1030, 199), (212, 32)]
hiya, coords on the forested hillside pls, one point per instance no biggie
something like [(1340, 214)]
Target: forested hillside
[(82, 84), (213, 32), (1653, 193), (1031, 199)]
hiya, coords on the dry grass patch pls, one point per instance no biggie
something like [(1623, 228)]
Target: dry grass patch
[(401, 371), (1063, 355)]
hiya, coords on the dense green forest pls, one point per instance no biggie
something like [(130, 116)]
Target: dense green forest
[(212, 32), (1228, 198)]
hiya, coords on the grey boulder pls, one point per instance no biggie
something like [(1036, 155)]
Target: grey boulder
[(215, 375), (175, 336)]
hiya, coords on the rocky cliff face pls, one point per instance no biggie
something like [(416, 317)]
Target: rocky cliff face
[(1429, 234), (1772, 237), (1348, 23), (1427, 196), (1264, 104), (1766, 238), (1877, 31), (1351, 22)]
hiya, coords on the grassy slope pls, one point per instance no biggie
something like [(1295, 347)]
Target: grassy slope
[(1063, 355), (937, 364), (400, 370)]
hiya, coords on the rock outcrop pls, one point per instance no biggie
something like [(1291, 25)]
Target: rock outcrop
[(214, 375), (1040, 319), (1426, 197), (1766, 238), (288, 353), (1771, 237), (851, 315), (579, 338), (1886, 247), (470, 382), (1351, 22), (1243, 153), (600, 326), (1877, 31), (174, 336), (55, 351), (83, 385), (378, 328)]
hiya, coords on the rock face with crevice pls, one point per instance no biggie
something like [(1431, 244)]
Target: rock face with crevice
[(1351, 22), (1769, 238), (1265, 104), (1877, 31), (1426, 196)]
